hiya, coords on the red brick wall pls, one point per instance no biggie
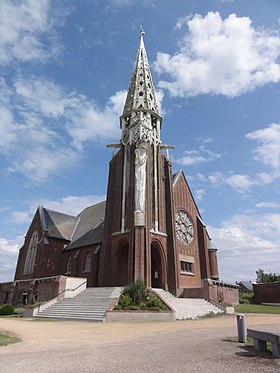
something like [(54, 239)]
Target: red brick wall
[(43, 289), (48, 255), (214, 290), (268, 292), (183, 200)]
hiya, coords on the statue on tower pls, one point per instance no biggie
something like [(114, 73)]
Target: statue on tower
[(140, 182)]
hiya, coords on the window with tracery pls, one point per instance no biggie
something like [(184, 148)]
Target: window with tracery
[(88, 263), (31, 254)]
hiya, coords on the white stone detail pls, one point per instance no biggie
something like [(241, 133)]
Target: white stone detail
[(140, 179), (184, 227)]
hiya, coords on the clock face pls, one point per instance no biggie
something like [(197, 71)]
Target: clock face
[(184, 227)]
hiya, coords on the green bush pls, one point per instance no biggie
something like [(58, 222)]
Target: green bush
[(155, 303), (136, 296), (124, 300), (7, 309), (246, 298), (137, 291)]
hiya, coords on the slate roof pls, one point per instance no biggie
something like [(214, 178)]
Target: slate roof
[(245, 285), (90, 227), (82, 230), (57, 224)]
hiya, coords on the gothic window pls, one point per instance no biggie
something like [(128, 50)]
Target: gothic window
[(31, 254), (88, 263), (69, 266)]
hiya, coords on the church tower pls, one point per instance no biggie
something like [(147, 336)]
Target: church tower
[(139, 237)]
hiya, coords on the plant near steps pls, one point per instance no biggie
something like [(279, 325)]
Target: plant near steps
[(136, 296)]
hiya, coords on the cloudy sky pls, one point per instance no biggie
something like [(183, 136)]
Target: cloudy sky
[(64, 70)]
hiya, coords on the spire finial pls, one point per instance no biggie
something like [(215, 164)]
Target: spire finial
[(142, 32)]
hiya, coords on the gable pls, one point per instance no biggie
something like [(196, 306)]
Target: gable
[(183, 197)]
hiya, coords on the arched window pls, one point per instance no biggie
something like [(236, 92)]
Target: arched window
[(69, 265), (88, 263), (31, 254)]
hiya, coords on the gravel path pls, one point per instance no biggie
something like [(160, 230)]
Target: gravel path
[(182, 346)]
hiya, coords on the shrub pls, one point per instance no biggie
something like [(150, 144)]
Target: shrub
[(137, 291), (136, 296), (155, 303), (246, 298), (7, 309), (124, 300)]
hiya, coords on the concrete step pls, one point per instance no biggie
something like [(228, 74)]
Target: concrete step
[(187, 308), (91, 304)]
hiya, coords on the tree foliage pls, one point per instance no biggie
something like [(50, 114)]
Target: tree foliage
[(7, 309), (267, 277)]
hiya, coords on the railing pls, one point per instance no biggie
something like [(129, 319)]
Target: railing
[(54, 299)]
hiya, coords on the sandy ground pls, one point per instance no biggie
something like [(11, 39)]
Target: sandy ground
[(180, 346)]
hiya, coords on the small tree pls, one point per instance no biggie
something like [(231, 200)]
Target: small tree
[(267, 277)]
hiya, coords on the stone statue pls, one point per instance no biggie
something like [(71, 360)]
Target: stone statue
[(140, 176)]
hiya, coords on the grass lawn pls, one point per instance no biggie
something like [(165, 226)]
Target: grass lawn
[(256, 308), (6, 339)]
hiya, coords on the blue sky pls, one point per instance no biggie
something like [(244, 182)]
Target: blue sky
[(65, 67)]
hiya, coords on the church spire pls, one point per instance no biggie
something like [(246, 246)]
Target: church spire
[(141, 93), (141, 120)]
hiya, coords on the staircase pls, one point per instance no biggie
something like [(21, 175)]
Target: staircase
[(91, 304), (187, 308)]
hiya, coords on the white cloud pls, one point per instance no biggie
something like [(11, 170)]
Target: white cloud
[(238, 182), (8, 253), (247, 242), (182, 21), (44, 127), (271, 205), (71, 205), (115, 4), (26, 30), (195, 156), (217, 56), (268, 152), (89, 123), (199, 194), (19, 217)]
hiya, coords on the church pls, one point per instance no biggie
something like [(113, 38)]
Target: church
[(149, 227)]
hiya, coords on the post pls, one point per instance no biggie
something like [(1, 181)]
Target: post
[(241, 330)]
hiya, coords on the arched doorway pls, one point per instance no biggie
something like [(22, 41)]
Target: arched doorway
[(120, 266), (156, 267)]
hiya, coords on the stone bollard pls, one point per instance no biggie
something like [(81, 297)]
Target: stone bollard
[(241, 330)]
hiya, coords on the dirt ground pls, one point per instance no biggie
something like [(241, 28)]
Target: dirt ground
[(191, 346)]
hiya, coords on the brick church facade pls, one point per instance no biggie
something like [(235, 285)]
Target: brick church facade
[(149, 227)]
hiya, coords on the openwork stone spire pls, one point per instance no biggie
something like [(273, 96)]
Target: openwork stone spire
[(141, 119)]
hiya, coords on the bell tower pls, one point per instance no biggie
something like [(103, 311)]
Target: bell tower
[(139, 222), (140, 125)]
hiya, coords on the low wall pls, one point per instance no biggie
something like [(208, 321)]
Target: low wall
[(267, 292), (216, 291), (21, 292), (139, 316)]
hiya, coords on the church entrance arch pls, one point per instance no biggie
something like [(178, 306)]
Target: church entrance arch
[(157, 267), (120, 265)]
